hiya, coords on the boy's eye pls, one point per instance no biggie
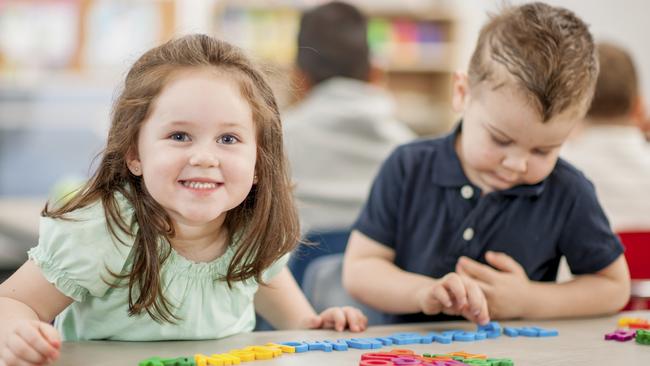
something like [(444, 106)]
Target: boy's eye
[(179, 136), (228, 139), (541, 152), (500, 142)]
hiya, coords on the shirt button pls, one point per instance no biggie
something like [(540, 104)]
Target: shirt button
[(467, 192), (468, 234)]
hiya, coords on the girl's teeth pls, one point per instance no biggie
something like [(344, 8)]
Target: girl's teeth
[(199, 185)]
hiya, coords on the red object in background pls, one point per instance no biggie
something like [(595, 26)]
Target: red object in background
[(637, 254)]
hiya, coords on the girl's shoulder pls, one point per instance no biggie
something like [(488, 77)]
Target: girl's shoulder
[(78, 252)]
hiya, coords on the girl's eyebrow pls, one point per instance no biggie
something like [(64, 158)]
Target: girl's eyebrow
[(183, 123)]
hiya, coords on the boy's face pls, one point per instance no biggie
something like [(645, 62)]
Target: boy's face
[(503, 142)]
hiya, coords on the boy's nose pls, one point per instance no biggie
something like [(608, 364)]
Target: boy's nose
[(518, 164)]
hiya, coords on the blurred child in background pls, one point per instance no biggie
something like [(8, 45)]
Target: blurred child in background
[(609, 146)]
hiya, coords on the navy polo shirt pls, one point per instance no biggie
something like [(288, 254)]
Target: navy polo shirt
[(423, 207)]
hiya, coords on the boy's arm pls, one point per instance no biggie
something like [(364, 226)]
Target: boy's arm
[(282, 303), (370, 276), (511, 295)]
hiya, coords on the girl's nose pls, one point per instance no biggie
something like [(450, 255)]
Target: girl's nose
[(204, 159)]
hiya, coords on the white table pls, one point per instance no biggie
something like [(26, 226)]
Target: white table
[(580, 343)]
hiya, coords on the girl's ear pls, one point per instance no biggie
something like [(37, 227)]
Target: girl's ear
[(133, 163), (460, 91)]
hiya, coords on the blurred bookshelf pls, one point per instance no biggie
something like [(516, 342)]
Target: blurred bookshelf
[(61, 62), (413, 42), (93, 42)]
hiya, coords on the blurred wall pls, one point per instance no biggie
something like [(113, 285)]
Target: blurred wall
[(624, 22)]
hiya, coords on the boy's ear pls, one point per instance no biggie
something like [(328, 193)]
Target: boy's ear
[(460, 91)]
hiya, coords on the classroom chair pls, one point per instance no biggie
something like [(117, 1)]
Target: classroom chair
[(317, 244), (637, 254), (323, 287)]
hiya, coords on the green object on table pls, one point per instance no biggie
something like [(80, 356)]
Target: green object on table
[(178, 361), (501, 362), (153, 361), (642, 336), (477, 361)]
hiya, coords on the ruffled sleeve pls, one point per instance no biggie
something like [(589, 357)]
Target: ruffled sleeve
[(76, 255), (275, 268)]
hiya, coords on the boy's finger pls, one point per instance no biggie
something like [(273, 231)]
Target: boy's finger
[(484, 316), (10, 358), (503, 262), (455, 285), (475, 297), (476, 270), (441, 295)]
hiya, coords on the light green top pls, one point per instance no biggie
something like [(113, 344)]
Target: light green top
[(75, 256)]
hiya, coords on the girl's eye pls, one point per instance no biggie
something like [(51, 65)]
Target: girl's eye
[(179, 136), (541, 152), (227, 139)]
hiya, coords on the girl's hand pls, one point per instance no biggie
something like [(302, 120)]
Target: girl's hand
[(31, 343), (455, 294), (338, 318)]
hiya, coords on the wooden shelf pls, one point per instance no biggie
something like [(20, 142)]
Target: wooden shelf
[(414, 45)]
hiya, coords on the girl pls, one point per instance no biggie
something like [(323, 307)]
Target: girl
[(187, 222)]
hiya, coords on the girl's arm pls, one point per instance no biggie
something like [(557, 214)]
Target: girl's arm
[(28, 295), (282, 303), (28, 303)]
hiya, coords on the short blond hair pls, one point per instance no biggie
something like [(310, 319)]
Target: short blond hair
[(547, 50)]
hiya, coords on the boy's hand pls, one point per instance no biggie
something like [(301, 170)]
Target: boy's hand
[(338, 317), (455, 294), (31, 342), (505, 287)]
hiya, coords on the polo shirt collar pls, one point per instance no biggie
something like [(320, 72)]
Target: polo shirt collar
[(448, 172)]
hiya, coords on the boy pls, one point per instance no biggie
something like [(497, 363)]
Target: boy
[(475, 223)]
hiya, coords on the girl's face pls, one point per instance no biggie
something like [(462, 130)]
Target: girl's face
[(197, 149)]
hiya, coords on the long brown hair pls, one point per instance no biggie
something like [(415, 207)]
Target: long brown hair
[(265, 223)]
